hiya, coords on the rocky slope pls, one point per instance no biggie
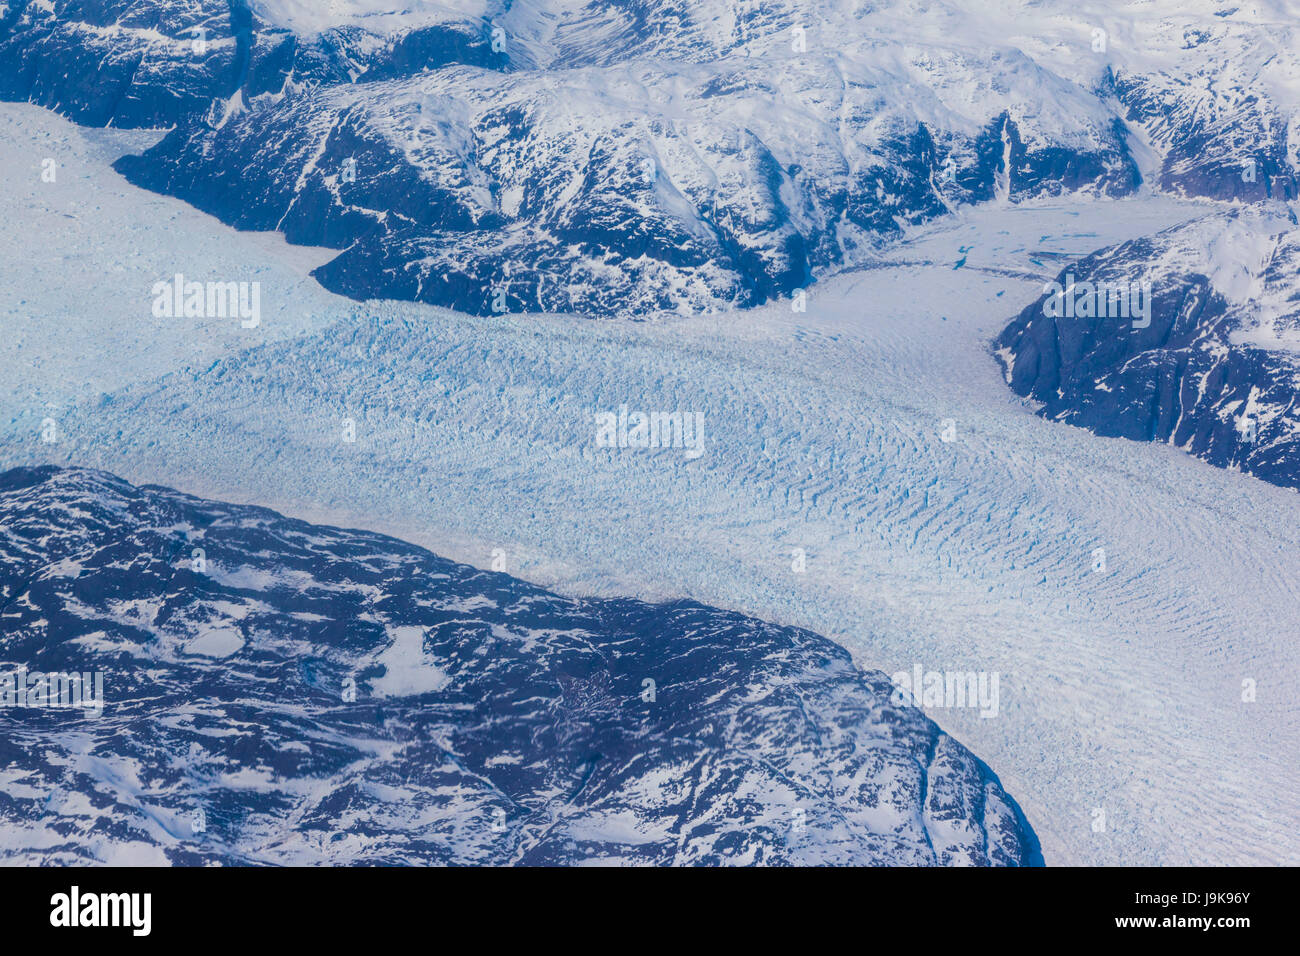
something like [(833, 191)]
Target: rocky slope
[(1216, 369), (287, 693), (638, 156)]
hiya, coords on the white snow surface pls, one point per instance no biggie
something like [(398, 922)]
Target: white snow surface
[(407, 672), (1121, 691), (310, 17)]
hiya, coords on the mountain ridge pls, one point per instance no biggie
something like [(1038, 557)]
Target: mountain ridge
[(643, 156)]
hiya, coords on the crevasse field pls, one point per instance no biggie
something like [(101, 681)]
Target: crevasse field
[(939, 521)]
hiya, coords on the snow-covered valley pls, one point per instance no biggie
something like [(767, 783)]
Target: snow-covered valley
[(870, 440)]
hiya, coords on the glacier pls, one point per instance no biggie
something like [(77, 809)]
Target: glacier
[(868, 476)]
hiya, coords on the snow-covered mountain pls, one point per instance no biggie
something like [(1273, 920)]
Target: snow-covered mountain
[(1211, 366), (282, 692), (825, 432), (928, 165), (156, 63), (643, 155)]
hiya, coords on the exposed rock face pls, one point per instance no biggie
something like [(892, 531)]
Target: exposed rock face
[(333, 696), (611, 159), (644, 155), (1217, 370)]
